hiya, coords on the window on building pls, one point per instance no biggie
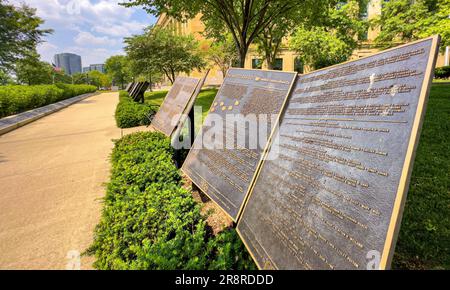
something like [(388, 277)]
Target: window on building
[(278, 64), (257, 63), (298, 65)]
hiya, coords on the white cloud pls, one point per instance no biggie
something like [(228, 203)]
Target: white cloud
[(120, 30), (86, 38), (88, 24), (47, 50), (93, 56)]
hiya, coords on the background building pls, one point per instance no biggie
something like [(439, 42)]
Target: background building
[(69, 62), (287, 60), (98, 67)]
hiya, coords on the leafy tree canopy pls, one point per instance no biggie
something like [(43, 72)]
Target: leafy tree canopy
[(118, 69), (31, 71), (19, 33), (160, 50), (407, 20), (99, 79), (244, 19), (222, 52), (334, 40)]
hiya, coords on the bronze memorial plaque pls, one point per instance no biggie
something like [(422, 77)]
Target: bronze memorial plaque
[(332, 192), (223, 164), (175, 104)]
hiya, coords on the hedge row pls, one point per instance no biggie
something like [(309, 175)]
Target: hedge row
[(150, 222), (131, 114), (442, 72), (16, 99)]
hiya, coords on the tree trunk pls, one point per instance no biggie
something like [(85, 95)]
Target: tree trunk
[(150, 81), (242, 55), (269, 63)]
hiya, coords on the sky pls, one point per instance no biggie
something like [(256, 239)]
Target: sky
[(94, 29)]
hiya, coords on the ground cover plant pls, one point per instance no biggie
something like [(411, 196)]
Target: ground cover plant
[(16, 99), (150, 221)]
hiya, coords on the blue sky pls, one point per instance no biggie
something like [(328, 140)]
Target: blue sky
[(93, 29)]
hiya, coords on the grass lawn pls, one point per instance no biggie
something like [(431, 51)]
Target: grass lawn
[(424, 239), (204, 99), (441, 81)]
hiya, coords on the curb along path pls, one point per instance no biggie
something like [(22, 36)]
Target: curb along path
[(52, 173)]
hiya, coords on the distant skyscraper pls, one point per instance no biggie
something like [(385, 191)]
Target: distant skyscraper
[(69, 62), (98, 67)]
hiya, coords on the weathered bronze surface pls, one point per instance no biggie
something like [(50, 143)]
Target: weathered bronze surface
[(225, 174), (174, 105), (333, 197)]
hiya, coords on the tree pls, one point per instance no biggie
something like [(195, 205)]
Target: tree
[(117, 67), (99, 79), (19, 33), (408, 20), (81, 78), (223, 53), (5, 78), (31, 71), (244, 19), (334, 40), (160, 50), (271, 40)]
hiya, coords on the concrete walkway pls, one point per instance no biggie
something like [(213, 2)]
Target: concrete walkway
[(51, 185)]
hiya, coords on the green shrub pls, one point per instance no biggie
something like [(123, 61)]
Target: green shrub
[(131, 114), (442, 72), (17, 99), (150, 222)]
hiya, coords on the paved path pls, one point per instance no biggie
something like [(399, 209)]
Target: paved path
[(51, 184)]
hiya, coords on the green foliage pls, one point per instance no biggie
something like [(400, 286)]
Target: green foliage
[(442, 72), (318, 48), (118, 69), (160, 50), (31, 71), (98, 79), (150, 222), (19, 33), (222, 53), (16, 99), (333, 40), (407, 20), (131, 114), (5, 78), (424, 236), (245, 19), (80, 78), (204, 99)]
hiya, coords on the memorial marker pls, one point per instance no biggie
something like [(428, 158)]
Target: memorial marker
[(177, 102), (134, 89), (333, 198), (139, 93), (129, 86), (224, 173)]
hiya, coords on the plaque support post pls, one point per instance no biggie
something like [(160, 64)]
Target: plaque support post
[(192, 126)]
